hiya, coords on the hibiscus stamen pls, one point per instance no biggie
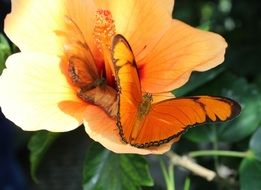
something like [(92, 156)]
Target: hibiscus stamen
[(104, 30)]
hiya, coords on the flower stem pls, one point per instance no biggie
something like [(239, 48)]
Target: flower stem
[(218, 153), (164, 170), (168, 177), (187, 184), (171, 176), (190, 165), (215, 147)]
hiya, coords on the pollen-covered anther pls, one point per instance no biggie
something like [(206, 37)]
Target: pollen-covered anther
[(104, 29)]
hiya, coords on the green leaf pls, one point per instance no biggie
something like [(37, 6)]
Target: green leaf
[(38, 146), (255, 144), (250, 167), (250, 174), (106, 170), (198, 79), (200, 133), (5, 51)]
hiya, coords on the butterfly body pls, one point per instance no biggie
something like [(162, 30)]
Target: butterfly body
[(144, 123), (92, 87), (145, 105), (142, 110)]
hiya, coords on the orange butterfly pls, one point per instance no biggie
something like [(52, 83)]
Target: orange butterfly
[(92, 87), (84, 75), (143, 123)]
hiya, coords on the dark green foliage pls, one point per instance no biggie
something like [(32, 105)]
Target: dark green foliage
[(5, 51), (254, 145), (38, 146), (250, 175), (106, 170), (250, 168)]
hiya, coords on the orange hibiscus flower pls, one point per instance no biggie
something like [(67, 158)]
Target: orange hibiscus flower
[(38, 92)]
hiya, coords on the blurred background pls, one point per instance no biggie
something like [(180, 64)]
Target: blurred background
[(239, 21)]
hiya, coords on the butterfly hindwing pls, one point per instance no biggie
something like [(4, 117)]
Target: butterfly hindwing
[(169, 119)]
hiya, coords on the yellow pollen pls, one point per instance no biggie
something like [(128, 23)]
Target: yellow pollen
[(104, 29)]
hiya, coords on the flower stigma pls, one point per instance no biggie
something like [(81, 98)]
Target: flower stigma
[(104, 31)]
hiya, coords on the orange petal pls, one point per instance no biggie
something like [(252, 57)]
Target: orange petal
[(35, 94), (141, 22), (158, 97), (34, 25), (102, 129), (181, 50)]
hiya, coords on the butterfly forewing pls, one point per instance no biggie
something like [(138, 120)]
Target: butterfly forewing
[(84, 74), (129, 87)]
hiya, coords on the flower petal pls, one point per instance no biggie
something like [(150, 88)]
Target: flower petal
[(102, 129), (158, 97), (34, 25), (141, 22), (180, 51), (35, 94)]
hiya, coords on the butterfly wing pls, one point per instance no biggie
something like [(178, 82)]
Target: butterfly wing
[(128, 84), (83, 72), (169, 119), (82, 68), (103, 96), (144, 124)]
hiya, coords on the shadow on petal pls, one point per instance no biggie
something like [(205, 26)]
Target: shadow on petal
[(75, 109), (101, 128)]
